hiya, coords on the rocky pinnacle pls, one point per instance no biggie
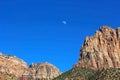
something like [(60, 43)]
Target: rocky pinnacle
[(101, 50)]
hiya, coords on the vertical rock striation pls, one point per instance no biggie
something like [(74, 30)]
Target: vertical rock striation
[(101, 50)]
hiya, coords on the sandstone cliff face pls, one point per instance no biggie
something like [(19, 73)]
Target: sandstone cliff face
[(44, 71), (101, 50), (18, 68), (12, 65)]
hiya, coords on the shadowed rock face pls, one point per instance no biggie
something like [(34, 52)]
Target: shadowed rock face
[(101, 50), (44, 70)]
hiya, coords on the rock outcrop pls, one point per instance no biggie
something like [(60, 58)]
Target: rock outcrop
[(101, 50), (7, 76), (12, 65), (43, 71), (18, 68)]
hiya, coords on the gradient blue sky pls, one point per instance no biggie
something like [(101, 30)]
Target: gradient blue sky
[(33, 29)]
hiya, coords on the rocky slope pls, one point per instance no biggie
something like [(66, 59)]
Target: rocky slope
[(44, 71), (107, 74), (7, 76), (12, 65), (101, 50)]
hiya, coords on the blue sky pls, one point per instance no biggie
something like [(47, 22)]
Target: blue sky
[(33, 30)]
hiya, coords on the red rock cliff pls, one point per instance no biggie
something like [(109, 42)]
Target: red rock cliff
[(101, 50), (12, 65), (18, 68)]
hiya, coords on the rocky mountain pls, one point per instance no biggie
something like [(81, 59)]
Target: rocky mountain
[(7, 76), (101, 50), (99, 60), (99, 57), (44, 71), (12, 65)]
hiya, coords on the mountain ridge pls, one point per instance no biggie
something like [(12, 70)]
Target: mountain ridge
[(99, 59), (13, 66)]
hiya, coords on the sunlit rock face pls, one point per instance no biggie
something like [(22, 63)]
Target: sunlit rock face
[(18, 68), (44, 71), (12, 65), (101, 50)]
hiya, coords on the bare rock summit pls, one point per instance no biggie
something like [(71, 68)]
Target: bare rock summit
[(44, 71), (12, 65), (101, 50)]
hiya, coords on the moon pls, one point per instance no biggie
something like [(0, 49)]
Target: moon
[(64, 22)]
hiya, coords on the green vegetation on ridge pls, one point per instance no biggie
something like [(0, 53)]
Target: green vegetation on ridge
[(89, 74)]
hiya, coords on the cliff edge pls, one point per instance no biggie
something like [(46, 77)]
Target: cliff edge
[(101, 50)]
